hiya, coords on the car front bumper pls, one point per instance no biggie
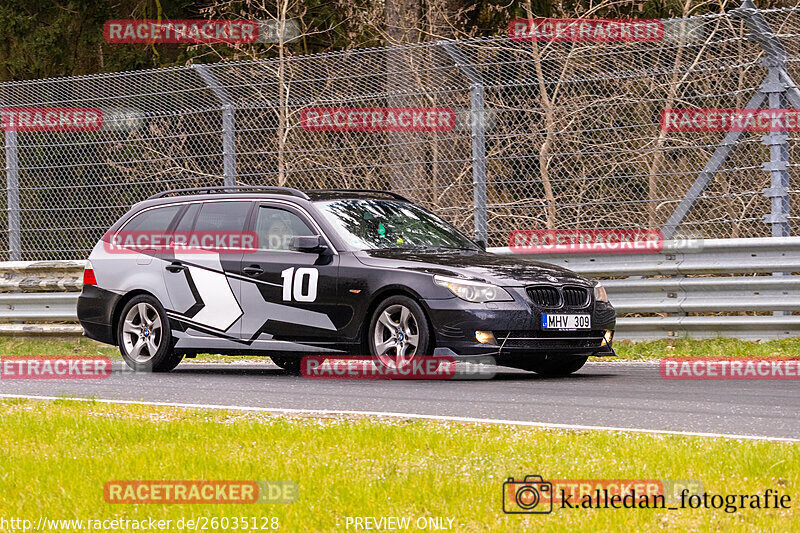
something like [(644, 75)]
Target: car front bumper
[(517, 328)]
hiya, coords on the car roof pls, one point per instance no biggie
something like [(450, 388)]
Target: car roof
[(256, 192)]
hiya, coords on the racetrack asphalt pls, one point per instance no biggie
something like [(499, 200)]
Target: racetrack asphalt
[(621, 395)]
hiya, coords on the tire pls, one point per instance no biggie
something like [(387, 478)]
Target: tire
[(398, 331), (146, 345), (289, 364), (553, 368)]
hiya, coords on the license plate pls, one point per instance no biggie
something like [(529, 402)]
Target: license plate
[(566, 321)]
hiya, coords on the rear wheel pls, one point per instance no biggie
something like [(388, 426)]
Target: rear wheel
[(144, 336), (553, 368), (398, 332)]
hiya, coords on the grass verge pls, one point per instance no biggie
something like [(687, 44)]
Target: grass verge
[(720, 347), (58, 455)]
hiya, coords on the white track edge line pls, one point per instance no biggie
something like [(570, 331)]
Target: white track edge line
[(285, 410)]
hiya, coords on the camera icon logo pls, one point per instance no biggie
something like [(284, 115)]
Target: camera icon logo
[(529, 496)]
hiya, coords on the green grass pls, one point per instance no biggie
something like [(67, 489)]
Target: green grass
[(12, 345), (626, 350), (720, 347), (77, 346), (57, 456)]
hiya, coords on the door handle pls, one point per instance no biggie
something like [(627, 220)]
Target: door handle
[(176, 267), (253, 270)]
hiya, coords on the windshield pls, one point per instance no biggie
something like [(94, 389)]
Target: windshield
[(375, 224)]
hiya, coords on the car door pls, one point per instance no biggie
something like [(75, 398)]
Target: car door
[(204, 297), (288, 296)]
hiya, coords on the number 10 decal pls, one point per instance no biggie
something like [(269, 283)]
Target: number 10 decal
[(293, 284)]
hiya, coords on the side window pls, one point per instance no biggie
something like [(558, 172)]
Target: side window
[(222, 216), (187, 220), (157, 219), (276, 227)]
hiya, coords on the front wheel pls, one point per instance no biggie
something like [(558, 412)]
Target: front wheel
[(398, 332), (553, 368), (144, 336)]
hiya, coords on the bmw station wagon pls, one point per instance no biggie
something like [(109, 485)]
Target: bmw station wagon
[(330, 272)]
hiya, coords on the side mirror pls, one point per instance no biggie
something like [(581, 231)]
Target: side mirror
[(313, 244), (481, 244)]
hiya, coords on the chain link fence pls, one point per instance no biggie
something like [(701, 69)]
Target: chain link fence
[(547, 135)]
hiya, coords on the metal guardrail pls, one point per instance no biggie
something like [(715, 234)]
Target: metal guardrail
[(35, 295), (42, 307), (685, 257), (698, 289)]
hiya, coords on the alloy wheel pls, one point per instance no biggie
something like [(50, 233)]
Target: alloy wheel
[(396, 336), (142, 332)]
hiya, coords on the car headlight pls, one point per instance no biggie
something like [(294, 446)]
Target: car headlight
[(473, 291), (600, 293)]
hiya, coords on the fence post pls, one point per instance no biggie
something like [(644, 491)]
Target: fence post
[(778, 165), (478, 130), (777, 88), (228, 144), (228, 123), (774, 87), (12, 189)]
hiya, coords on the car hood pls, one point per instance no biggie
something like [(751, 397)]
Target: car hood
[(504, 270)]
